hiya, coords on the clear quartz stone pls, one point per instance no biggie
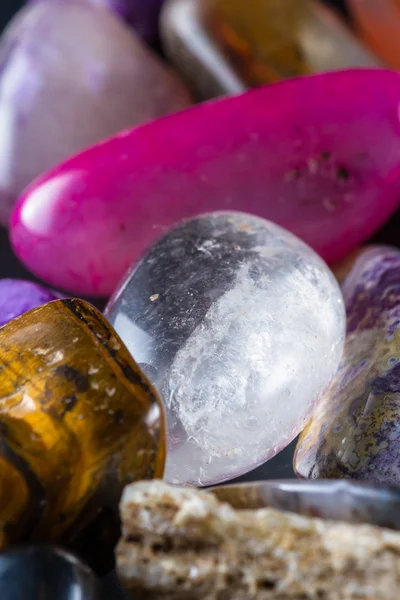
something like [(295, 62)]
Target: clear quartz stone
[(240, 326)]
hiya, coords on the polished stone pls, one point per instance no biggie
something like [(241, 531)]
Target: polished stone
[(72, 74), (78, 421), (337, 500), (18, 296), (227, 46), (240, 326), (326, 167), (45, 573), (354, 433), (142, 15), (378, 24)]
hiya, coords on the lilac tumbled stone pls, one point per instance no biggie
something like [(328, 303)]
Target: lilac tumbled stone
[(18, 296)]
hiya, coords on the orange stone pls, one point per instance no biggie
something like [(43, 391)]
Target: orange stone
[(227, 46), (378, 24)]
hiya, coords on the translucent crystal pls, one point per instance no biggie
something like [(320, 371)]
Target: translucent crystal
[(240, 325)]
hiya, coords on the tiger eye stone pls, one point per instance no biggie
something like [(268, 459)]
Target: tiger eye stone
[(227, 46), (78, 420), (355, 431)]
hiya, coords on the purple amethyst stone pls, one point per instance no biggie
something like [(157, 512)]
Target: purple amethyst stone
[(142, 15), (355, 431), (18, 296)]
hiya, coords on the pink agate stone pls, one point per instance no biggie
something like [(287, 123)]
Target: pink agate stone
[(319, 155), (72, 73)]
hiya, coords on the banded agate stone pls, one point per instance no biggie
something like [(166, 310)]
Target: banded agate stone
[(72, 74), (308, 165), (240, 326), (227, 46), (78, 420), (354, 433), (45, 573)]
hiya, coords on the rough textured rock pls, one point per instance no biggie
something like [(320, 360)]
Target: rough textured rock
[(240, 327), (307, 165), (180, 544), (71, 75), (354, 431)]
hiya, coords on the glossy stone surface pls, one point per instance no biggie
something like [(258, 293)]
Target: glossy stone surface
[(71, 75), (45, 573), (308, 165), (336, 500), (226, 314), (18, 296), (378, 24), (227, 46), (354, 433), (143, 15), (78, 420)]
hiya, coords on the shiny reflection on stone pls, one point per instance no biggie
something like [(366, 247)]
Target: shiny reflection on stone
[(78, 421), (227, 46), (243, 327), (72, 74), (354, 433), (307, 165), (337, 500), (45, 573)]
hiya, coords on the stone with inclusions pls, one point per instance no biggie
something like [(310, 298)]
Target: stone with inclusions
[(18, 296), (72, 74), (308, 165), (227, 46), (354, 433), (45, 573), (78, 421), (240, 326)]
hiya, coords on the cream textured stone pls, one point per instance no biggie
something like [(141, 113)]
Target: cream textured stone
[(181, 543)]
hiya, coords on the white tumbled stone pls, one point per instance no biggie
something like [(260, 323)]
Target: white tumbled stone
[(240, 326)]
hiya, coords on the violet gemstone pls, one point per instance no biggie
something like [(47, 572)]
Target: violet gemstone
[(319, 155), (355, 431), (18, 296), (143, 15), (240, 326), (72, 74)]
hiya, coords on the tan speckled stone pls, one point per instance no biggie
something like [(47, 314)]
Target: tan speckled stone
[(185, 544)]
